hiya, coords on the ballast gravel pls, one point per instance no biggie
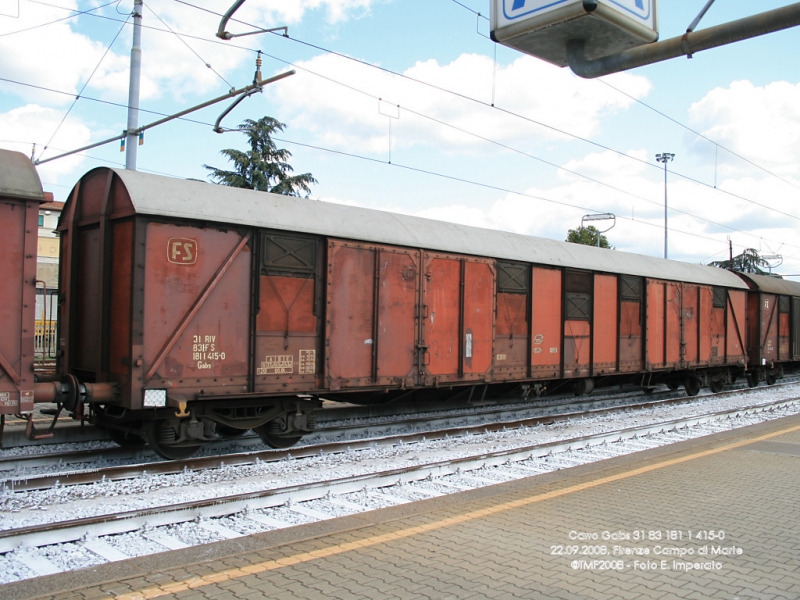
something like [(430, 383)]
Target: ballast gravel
[(19, 509)]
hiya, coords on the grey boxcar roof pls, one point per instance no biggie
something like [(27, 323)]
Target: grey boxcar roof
[(168, 197), (773, 285), (18, 177)]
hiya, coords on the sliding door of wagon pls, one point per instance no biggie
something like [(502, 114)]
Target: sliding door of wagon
[(577, 323), (631, 317), (663, 324), (511, 325), (546, 323), (287, 321), (371, 329), (457, 331)]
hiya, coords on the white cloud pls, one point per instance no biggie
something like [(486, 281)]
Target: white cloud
[(274, 13), (761, 123), (34, 123), (344, 118)]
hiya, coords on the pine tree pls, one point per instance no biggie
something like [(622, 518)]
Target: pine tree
[(264, 167)]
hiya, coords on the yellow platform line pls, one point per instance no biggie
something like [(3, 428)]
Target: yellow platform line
[(296, 559)]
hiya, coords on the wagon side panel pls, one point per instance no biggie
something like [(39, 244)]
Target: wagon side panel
[(196, 310), (546, 323), (605, 323)]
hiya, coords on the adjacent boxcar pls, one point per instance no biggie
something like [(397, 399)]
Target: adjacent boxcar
[(213, 310), (773, 326), (20, 197)]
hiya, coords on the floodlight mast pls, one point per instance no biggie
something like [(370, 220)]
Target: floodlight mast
[(665, 157), (688, 44)]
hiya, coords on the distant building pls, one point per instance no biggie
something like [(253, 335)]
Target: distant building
[(47, 280), (47, 266)]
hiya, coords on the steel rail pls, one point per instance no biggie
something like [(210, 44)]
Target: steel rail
[(118, 523), (122, 472)]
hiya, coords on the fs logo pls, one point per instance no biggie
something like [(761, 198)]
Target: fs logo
[(182, 251)]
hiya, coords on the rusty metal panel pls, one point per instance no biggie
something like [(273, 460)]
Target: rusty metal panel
[(784, 308), (196, 310), (577, 323), (736, 326), (705, 319), (287, 337), (656, 346), (351, 307), (398, 324), (768, 322), (19, 232), (120, 358), (511, 335), (719, 332), (546, 323), (86, 334), (577, 350), (673, 335), (691, 325), (630, 336), (441, 306), (605, 322), (478, 320), (457, 326), (372, 325)]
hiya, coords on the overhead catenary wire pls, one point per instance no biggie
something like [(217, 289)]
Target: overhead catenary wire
[(192, 50), (407, 168), (446, 124), (469, 98), (675, 121), (512, 149), (76, 13), (86, 83)]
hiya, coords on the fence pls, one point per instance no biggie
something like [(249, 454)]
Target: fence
[(46, 327)]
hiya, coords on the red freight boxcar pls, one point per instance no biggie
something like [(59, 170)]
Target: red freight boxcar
[(773, 326), (210, 310), (20, 197)]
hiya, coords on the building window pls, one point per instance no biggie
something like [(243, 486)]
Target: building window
[(41, 220)]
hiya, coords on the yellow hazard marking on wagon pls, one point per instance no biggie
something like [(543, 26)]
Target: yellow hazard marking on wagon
[(304, 557)]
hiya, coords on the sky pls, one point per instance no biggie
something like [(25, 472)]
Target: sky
[(408, 106)]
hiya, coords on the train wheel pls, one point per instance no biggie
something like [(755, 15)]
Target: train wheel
[(275, 441), (160, 435), (126, 439), (770, 378), (752, 379), (673, 385), (716, 385), (692, 386)]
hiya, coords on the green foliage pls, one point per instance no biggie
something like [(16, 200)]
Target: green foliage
[(264, 167), (748, 261), (588, 237)]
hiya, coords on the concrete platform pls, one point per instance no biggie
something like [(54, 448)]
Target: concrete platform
[(717, 517)]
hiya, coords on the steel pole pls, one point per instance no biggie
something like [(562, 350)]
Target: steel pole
[(131, 140), (666, 253), (686, 45)]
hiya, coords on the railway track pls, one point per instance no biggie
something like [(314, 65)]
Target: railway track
[(78, 467), (160, 528)]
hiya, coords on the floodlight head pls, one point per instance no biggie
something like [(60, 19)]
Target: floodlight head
[(665, 157), (599, 217)]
